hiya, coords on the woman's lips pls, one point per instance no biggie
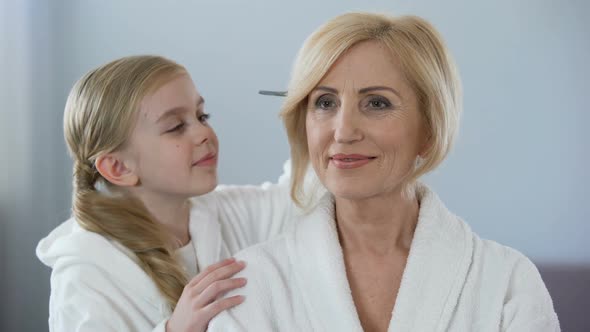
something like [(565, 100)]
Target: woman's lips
[(349, 161), (208, 160)]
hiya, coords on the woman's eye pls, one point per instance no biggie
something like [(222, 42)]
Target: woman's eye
[(379, 103), (176, 128), (204, 117), (325, 102)]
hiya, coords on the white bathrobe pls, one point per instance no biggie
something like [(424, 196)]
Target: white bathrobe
[(97, 285), (453, 281)]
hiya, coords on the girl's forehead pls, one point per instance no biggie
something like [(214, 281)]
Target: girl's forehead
[(179, 92)]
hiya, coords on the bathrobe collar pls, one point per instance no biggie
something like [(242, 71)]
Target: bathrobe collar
[(437, 265), (205, 233)]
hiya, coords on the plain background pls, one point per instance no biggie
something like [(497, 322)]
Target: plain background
[(518, 173)]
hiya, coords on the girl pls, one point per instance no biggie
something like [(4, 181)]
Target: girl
[(128, 259)]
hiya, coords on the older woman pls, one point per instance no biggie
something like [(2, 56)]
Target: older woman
[(373, 104)]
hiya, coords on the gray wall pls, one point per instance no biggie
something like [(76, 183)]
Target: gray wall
[(517, 174), (34, 173)]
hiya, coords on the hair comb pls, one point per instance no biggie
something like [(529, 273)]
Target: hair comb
[(273, 93)]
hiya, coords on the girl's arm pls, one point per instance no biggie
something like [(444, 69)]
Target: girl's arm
[(253, 214)]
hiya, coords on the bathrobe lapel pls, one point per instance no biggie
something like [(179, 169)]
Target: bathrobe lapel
[(205, 233), (437, 266), (317, 258)]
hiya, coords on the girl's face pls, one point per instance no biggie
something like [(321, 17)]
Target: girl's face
[(172, 148)]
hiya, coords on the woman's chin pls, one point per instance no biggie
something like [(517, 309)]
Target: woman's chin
[(354, 193)]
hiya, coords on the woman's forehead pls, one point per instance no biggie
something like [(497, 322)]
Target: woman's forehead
[(365, 64)]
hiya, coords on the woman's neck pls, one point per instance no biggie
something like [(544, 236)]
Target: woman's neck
[(378, 225)]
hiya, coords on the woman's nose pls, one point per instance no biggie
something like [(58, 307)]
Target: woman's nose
[(347, 128)]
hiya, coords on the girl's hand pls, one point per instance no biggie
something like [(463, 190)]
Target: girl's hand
[(201, 298)]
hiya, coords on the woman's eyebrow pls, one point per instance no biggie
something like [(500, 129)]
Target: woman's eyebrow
[(325, 88), (377, 88), (361, 91)]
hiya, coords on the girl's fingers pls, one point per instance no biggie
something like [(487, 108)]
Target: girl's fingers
[(214, 308), (221, 273), (217, 289), (210, 269)]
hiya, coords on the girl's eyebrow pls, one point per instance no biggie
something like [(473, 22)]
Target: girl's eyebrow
[(177, 110), (169, 113)]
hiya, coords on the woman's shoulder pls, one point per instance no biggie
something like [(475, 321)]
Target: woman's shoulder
[(268, 292), (504, 275), (269, 269), (498, 279), (265, 256), (487, 252), (506, 258)]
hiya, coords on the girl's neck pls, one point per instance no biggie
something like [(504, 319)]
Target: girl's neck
[(172, 213)]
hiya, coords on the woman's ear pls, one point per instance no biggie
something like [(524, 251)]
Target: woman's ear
[(114, 169), (427, 142)]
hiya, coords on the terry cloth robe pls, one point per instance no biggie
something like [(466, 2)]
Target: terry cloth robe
[(98, 285), (453, 281)]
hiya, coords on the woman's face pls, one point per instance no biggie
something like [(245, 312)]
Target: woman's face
[(172, 147), (364, 129)]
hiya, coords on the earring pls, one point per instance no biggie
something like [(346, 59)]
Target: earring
[(419, 161)]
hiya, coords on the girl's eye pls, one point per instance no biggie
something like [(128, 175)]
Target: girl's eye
[(176, 128), (204, 117), (325, 102)]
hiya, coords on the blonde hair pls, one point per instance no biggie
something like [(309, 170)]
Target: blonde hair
[(100, 114), (427, 66)]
